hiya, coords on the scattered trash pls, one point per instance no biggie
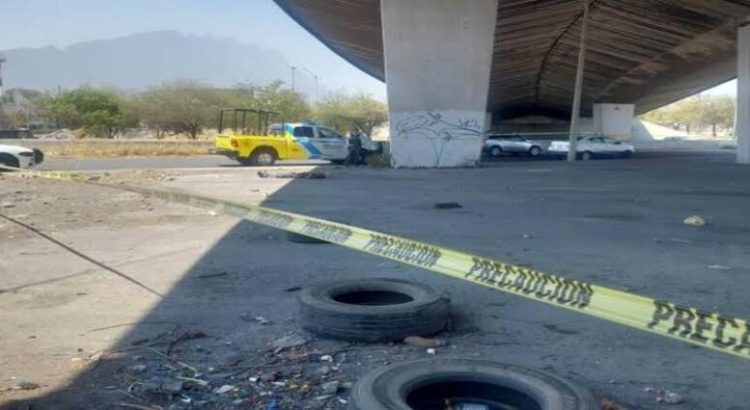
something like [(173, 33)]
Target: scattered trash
[(288, 342), (467, 406), (224, 389), (326, 358), (331, 387), (323, 370), (253, 380), (270, 376), (431, 351), (425, 342), (665, 396), (164, 386), (669, 398), (609, 404), (273, 404), (293, 289), (448, 205), (293, 175), (526, 236), (212, 213), (262, 320), (26, 385), (343, 401), (137, 369), (719, 267), (213, 275), (93, 178), (695, 220)]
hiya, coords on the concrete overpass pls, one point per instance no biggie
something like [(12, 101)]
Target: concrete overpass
[(455, 68)]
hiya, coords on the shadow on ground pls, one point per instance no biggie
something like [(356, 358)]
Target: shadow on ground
[(615, 223)]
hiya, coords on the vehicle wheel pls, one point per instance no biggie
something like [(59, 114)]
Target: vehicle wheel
[(263, 157), (586, 156), (299, 238), (535, 151), (495, 151), (466, 383), (9, 161), (372, 310)]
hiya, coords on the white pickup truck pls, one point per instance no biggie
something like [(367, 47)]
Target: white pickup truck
[(593, 147)]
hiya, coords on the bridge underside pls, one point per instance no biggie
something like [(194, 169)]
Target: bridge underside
[(643, 53)]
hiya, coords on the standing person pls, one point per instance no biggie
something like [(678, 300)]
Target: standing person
[(355, 148), (368, 146)]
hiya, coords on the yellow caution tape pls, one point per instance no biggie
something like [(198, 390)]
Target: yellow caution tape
[(711, 330)]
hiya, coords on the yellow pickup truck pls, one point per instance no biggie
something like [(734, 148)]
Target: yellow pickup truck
[(246, 136)]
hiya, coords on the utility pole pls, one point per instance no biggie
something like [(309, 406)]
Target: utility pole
[(315, 76), (294, 70), (2, 60), (576, 112)]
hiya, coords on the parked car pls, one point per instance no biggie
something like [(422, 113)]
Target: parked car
[(593, 147), (497, 145), (20, 157)]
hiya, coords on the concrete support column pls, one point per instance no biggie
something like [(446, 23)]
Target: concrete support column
[(742, 128), (614, 120), (438, 55)]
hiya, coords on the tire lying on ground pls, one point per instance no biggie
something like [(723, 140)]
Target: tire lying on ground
[(469, 384), (372, 310), (299, 238)]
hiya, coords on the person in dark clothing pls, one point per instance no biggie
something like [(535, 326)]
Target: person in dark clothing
[(355, 149)]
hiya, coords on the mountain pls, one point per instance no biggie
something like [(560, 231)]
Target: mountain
[(141, 60)]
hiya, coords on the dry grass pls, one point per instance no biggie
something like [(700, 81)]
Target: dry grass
[(99, 149)]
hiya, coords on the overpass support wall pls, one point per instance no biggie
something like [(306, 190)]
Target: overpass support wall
[(438, 55), (742, 129), (614, 120)]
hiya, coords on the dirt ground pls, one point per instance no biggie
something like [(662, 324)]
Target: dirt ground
[(109, 300)]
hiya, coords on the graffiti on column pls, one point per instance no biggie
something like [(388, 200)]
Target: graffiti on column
[(437, 130)]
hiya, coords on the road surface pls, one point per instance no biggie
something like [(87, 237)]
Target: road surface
[(109, 164), (213, 161)]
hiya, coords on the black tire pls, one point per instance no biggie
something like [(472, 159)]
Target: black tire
[(299, 238), (373, 310), (263, 156), (535, 151), (9, 161), (427, 384), (495, 151), (586, 156)]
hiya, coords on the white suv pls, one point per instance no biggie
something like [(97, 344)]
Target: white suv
[(20, 157)]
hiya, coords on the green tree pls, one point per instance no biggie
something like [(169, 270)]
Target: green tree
[(717, 112), (290, 106), (348, 111), (183, 106), (696, 112), (99, 111)]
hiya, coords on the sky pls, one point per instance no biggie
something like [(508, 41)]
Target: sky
[(38, 23)]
